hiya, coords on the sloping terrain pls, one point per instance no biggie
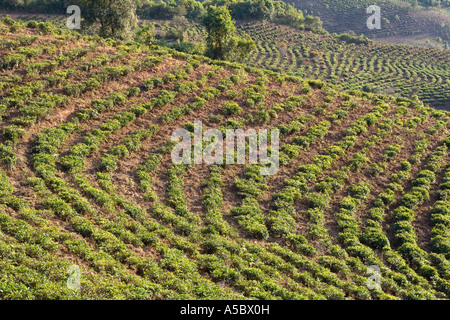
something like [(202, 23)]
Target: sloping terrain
[(354, 63), (87, 179), (399, 19), (349, 62)]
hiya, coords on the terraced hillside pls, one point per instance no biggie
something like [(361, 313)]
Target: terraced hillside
[(387, 68), (400, 21), (377, 67), (87, 179)]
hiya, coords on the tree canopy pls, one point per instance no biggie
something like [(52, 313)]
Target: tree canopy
[(222, 41), (117, 18)]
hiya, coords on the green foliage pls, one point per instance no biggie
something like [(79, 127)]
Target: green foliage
[(221, 41), (225, 233), (117, 18), (231, 108)]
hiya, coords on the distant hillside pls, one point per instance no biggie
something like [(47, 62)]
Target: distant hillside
[(353, 62), (401, 23), (347, 61)]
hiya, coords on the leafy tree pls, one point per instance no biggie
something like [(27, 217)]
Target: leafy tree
[(192, 9), (222, 42), (145, 34), (179, 26), (312, 23), (117, 18), (220, 28), (288, 15), (242, 46), (252, 9)]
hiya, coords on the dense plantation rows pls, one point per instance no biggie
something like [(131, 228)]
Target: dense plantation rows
[(347, 61), (375, 67), (86, 178), (398, 18)]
